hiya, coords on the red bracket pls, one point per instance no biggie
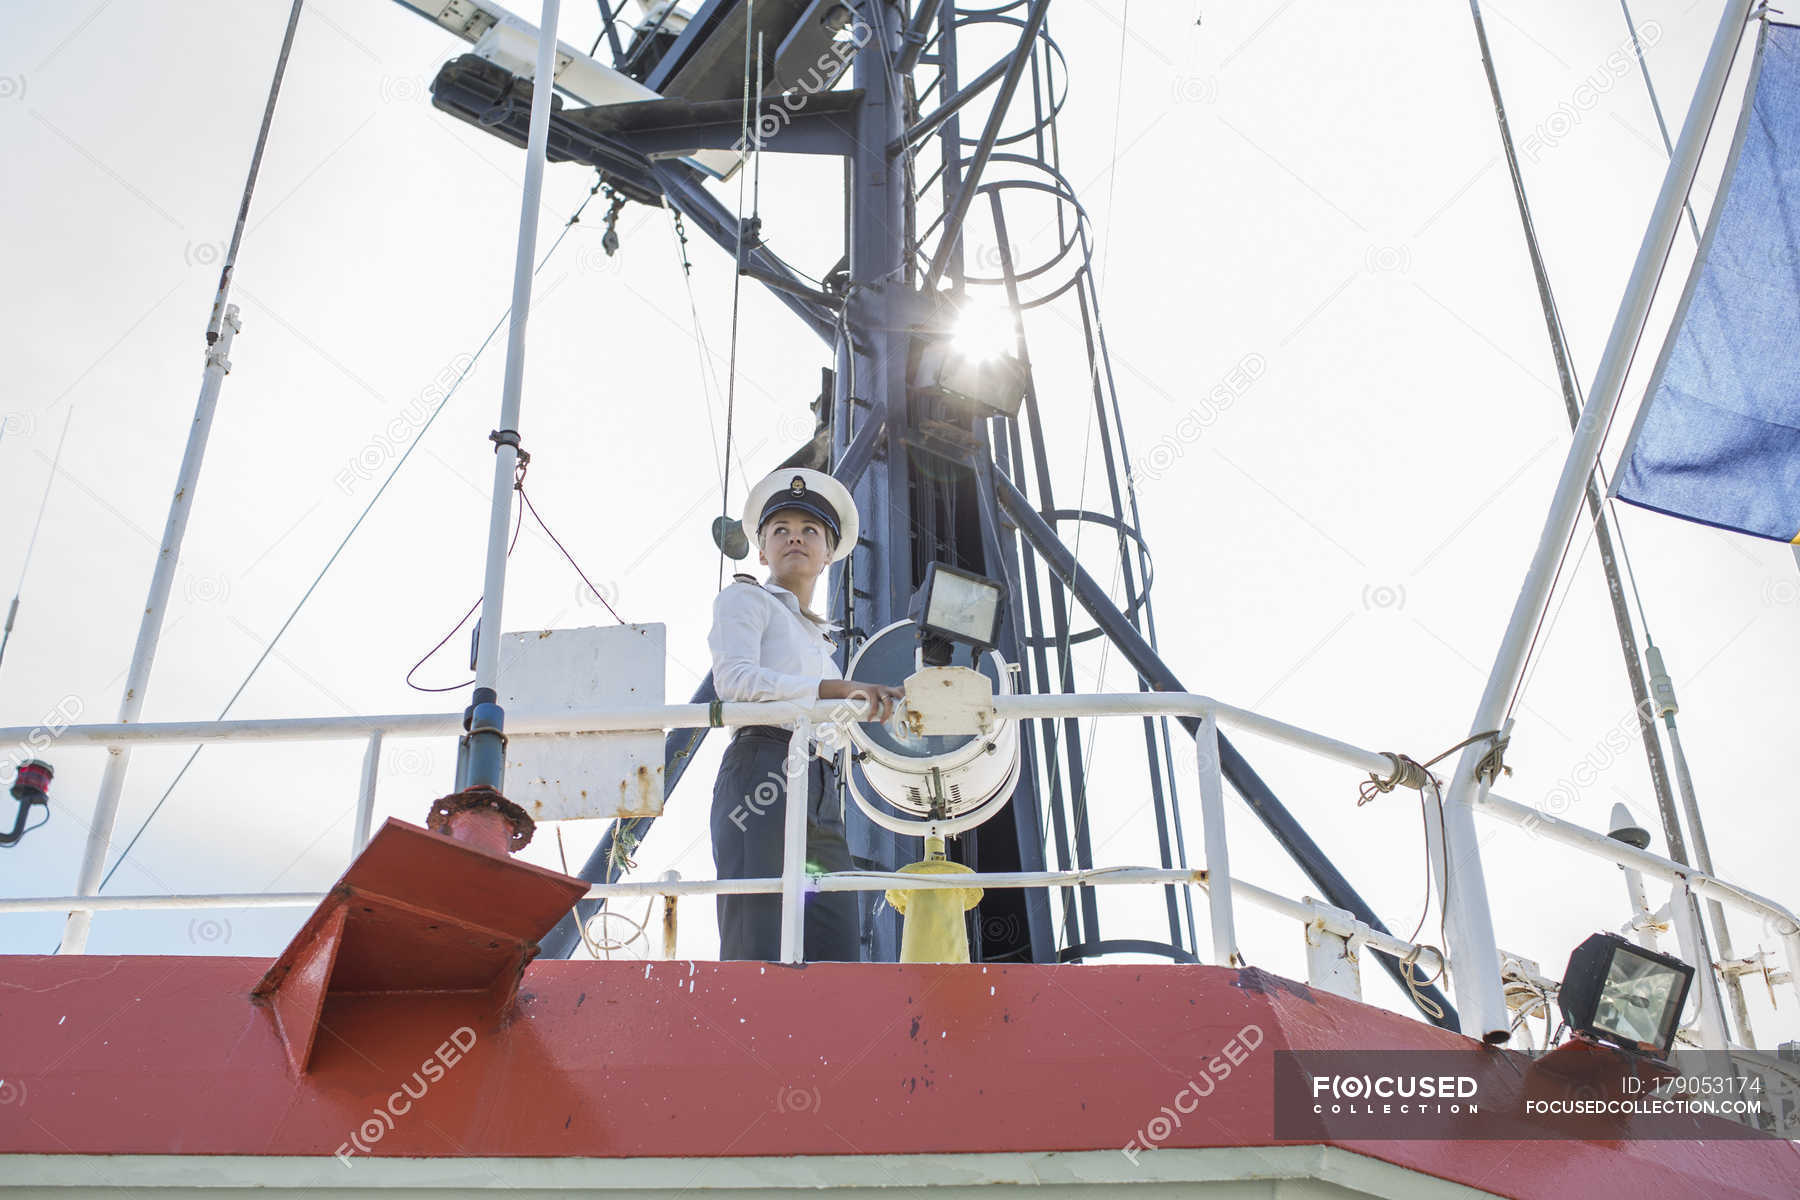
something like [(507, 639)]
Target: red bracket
[(416, 912)]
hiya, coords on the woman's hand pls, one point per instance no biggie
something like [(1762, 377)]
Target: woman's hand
[(878, 696)]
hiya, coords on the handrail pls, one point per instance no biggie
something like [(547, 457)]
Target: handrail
[(692, 716), (372, 729)]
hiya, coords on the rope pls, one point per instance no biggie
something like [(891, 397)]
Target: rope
[(1408, 772), (19, 592)]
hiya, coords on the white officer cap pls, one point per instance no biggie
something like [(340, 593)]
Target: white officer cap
[(809, 491)]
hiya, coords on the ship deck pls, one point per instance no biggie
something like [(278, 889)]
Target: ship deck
[(661, 1077)]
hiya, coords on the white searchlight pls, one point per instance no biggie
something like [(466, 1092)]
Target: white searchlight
[(946, 763)]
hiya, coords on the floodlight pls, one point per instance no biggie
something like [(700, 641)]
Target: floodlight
[(956, 606), (1621, 993), (973, 368)]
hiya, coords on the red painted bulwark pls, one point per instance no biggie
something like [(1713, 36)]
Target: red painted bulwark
[(168, 1056)]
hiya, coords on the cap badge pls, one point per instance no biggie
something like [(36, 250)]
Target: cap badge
[(798, 486)]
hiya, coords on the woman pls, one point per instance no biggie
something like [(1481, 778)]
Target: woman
[(768, 644)]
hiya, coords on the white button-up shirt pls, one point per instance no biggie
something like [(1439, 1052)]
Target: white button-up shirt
[(764, 649)]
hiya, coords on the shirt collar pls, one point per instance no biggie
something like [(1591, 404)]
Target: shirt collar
[(792, 603)]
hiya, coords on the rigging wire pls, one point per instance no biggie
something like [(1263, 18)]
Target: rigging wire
[(1656, 107), (424, 428), (708, 368), (1112, 184), (737, 268), (6, 635), (1630, 361)]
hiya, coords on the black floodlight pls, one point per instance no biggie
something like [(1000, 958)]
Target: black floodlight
[(1621, 993), (954, 605)]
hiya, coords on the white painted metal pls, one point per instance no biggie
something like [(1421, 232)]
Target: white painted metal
[(143, 654), (949, 700), (558, 672), (798, 765), (1778, 918), (1643, 923), (696, 716), (1711, 1017), (493, 592), (1333, 961), (1684, 785), (975, 779), (1469, 922), (1218, 857), (365, 795)]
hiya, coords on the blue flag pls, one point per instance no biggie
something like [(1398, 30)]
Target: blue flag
[(1718, 439)]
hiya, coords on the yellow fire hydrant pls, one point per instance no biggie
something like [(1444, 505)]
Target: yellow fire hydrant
[(933, 931)]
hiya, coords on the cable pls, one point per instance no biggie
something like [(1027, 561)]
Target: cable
[(518, 524), (31, 545), (357, 524), (601, 596), (1613, 416), (737, 276), (700, 346), (1655, 107)]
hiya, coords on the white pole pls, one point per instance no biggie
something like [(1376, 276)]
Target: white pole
[(487, 658), (1218, 858), (1470, 923), (365, 796), (1643, 923), (143, 655), (1686, 915), (798, 765)]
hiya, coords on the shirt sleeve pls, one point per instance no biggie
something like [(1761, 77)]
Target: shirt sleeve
[(740, 615)]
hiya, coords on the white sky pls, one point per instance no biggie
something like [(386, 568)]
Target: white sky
[(1314, 184)]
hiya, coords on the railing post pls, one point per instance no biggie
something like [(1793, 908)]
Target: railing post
[(1643, 921), (1218, 858), (365, 796), (793, 863), (1686, 916), (1468, 921), (1332, 953)]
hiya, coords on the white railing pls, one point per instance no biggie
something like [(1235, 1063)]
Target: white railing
[(1334, 936)]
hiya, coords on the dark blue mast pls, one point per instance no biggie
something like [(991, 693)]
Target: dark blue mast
[(933, 147)]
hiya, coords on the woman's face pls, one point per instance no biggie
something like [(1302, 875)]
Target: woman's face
[(795, 543)]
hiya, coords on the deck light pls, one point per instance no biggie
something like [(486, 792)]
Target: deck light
[(1624, 994), (956, 606)]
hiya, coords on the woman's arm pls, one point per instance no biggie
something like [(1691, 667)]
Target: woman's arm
[(880, 697), (740, 615)]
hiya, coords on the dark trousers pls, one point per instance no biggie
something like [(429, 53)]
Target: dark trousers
[(749, 817)]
